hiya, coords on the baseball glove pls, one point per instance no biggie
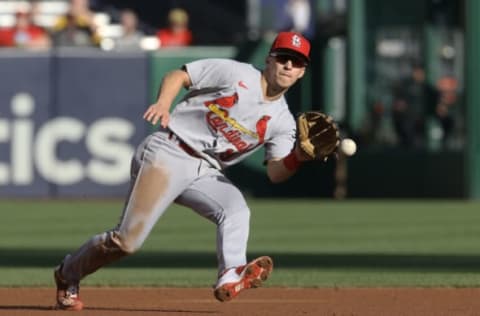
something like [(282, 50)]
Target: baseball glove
[(318, 135)]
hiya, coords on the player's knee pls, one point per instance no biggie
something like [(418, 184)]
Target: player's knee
[(239, 216), (113, 242)]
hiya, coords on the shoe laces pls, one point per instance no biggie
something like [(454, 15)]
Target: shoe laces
[(72, 291), (240, 269), (231, 275)]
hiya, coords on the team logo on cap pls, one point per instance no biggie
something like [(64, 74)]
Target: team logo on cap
[(296, 41)]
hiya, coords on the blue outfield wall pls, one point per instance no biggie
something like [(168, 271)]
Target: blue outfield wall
[(70, 119), (70, 122), (25, 107)]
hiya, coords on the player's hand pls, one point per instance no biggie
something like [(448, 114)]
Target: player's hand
[(301, 155), (157, 112)]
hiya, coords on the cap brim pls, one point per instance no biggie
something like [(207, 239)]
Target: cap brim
[(289, 52)]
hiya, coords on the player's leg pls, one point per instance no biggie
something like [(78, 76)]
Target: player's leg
[(98, 251), (160, 171), (216, 198)]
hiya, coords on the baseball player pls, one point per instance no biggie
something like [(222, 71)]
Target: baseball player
[(231, 110)]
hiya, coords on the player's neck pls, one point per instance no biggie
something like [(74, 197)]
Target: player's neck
[(270, 91)]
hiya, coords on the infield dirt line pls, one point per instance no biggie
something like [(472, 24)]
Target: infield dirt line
[(268, 301), (248, 301)]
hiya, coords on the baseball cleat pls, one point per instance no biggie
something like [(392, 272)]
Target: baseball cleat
[(67, 294), (235, 280)]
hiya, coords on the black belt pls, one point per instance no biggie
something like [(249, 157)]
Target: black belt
[(189, 150)]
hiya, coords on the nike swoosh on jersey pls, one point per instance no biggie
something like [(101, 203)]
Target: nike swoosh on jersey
[(242, 84)]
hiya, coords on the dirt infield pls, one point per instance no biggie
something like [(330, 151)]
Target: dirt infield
[(261, 302)]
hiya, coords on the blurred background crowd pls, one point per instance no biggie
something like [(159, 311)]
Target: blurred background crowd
[(413, 93), (48, 24)]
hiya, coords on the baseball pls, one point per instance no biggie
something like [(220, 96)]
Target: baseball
[(348, 146)]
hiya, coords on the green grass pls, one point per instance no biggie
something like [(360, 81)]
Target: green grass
[(314, 243)]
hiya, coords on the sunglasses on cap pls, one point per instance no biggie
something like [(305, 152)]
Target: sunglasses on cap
[(297, 62)]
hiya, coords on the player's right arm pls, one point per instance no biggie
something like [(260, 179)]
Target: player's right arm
[(171, 85)]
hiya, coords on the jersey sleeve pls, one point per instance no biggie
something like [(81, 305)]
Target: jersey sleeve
[(283, 140), (211, 72)]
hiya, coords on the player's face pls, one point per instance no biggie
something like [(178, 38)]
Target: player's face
[(283, 71)]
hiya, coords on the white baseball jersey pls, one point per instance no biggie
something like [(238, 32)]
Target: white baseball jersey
[(225, 118)]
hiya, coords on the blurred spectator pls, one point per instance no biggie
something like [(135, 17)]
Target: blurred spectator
[(443, 111), (411, 97), (73, 34), (24, 34), (76, 26), (80, 9), (177, 33), (131, 36)]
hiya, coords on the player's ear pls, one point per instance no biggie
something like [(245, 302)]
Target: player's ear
[(302, 73), (268, 59)]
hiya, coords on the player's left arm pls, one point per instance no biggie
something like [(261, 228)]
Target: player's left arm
[(280, 169), (318, 139), (282, 155)]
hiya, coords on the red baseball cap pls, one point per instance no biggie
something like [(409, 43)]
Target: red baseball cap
[(291, 43)]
